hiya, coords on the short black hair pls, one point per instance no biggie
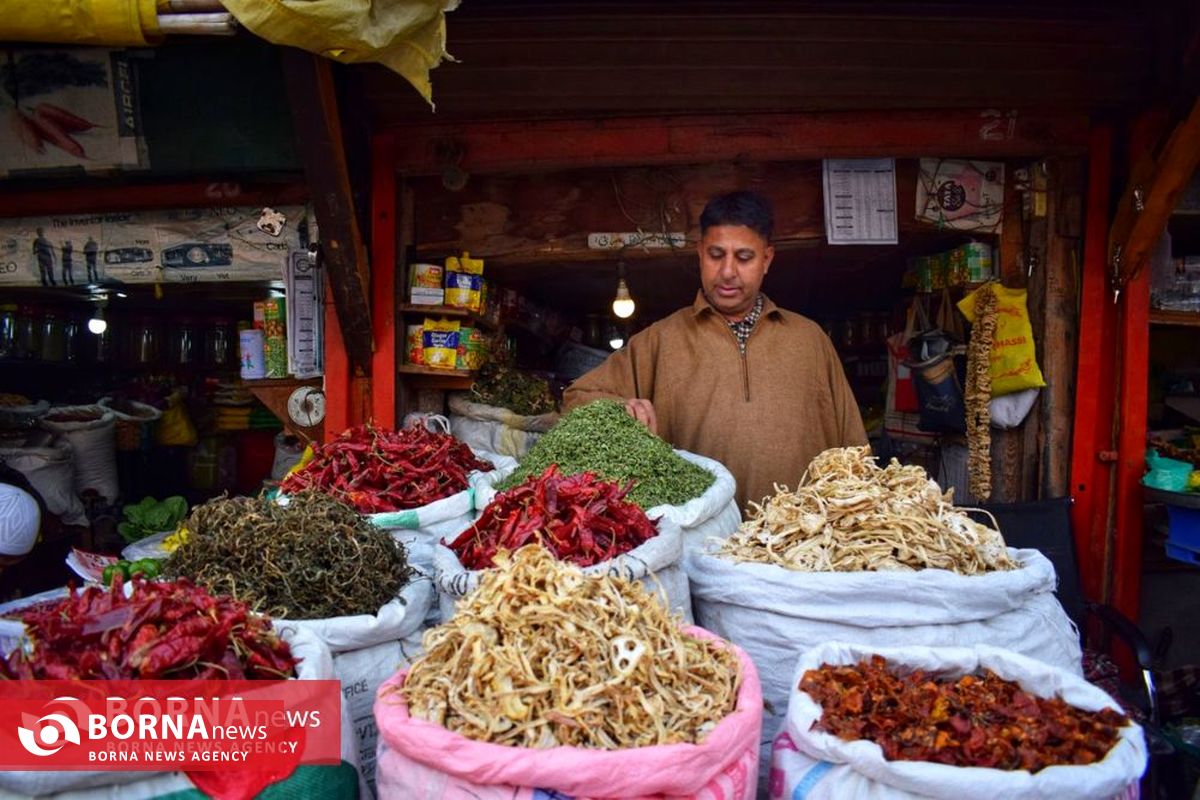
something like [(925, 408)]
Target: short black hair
[(739, 208)]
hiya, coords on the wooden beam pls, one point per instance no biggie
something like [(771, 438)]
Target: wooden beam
[(481, 147), (384, 230), (1094, 370), (1150, 198), (85, 197), (322, 150)]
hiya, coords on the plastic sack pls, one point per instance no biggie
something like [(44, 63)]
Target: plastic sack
[(496, 429), (288, 452), (1008, 411), (1166, 474), (49, 470), (1014, 355), (424, 761), (94, 445), (777, 614), (657, 563), (175, 428), (366, 651), (829, 767), (420, 529)]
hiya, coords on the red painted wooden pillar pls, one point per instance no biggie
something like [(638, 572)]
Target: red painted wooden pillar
[(1095, 392), (383, 281), (337, 373)]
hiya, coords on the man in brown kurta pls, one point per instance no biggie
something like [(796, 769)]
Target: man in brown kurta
[(734, 377)]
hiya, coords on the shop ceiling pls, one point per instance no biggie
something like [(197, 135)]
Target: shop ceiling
[(522, 60)]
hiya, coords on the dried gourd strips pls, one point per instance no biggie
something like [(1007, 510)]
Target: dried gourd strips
[(849, 515), (527, 661)]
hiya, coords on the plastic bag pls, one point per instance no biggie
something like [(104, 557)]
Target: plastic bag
[(1166, 474), (1014, 355), (175, 429), (94, 443)]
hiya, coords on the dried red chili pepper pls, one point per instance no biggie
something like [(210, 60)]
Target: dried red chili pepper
[(971, 721), (377, 470), (579, 518), (163, 630)]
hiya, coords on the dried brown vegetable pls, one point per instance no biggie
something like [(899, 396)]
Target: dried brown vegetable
[(849, 515), (971, 721), (977, 394), (541, 655)]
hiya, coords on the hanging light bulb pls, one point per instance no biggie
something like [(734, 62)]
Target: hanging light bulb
[(622, 305), (97, 324)]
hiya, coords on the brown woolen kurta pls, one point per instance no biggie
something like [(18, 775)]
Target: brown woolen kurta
[(764, 416)]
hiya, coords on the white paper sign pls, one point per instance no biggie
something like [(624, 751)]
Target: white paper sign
[(860, 200)]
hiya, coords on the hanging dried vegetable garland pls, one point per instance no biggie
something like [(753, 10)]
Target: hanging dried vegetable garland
[(978, 394)]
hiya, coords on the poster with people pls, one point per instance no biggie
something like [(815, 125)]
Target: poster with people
[(171, 246)]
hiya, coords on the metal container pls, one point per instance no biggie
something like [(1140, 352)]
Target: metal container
[(217, 341), (8, 331), (54, 337), (145, 341), (29, 333), (185, 342)]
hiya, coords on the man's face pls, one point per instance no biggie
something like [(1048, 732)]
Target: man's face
[(733, 261)]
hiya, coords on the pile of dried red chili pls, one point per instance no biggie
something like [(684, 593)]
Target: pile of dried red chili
[(581, 519), (377, 470), (972, 721), (163, 630)]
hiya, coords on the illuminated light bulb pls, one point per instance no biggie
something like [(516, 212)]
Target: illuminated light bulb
[(97, 325), (623, 305), (617, 343)]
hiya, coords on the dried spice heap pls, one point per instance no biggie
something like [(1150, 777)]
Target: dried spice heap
[(601, 438), (850, 515), (377, 471), (580, 518), (972, 721), (163, 630), (541, 655), (311, 559), (978, 394), (504, 386)]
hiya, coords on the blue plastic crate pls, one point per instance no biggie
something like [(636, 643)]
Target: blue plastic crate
[(1184, 529), (1185, 554)]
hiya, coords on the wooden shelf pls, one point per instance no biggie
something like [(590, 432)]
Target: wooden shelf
[(292, 383), (432, 378), (1190, 319), (446, 311)]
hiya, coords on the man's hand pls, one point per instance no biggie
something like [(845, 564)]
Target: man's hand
[(643, 412)]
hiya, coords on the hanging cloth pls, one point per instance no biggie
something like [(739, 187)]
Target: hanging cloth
[(407, 36)]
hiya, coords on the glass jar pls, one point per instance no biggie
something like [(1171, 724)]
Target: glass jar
[(72, 331), (54, 337), (144, 341), (8, 331), (185, 342), (29, 333), (217, 342)]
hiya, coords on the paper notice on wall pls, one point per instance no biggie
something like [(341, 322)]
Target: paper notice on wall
[(961, 194), (860, 200), (305, 316), (69, 109)]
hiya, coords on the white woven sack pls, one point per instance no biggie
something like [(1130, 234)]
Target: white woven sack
[(51, 472), (496, 429), (419, 529), (657, 563), (776, 614), (94, 444), (361, 646), (315, 664), (858, 769)]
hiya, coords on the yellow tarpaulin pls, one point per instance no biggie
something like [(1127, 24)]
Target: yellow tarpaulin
[(95, 22), (407, 36)]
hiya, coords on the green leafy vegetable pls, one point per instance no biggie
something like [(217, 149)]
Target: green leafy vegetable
[(150, 516)]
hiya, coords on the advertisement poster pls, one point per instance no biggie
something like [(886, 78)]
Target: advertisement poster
[(174, 246), (69, 109), (960, 194)]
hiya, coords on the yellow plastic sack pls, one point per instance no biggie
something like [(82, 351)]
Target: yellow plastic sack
[(1014, 355), (408, 37), (91, 22), (175, 428)]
